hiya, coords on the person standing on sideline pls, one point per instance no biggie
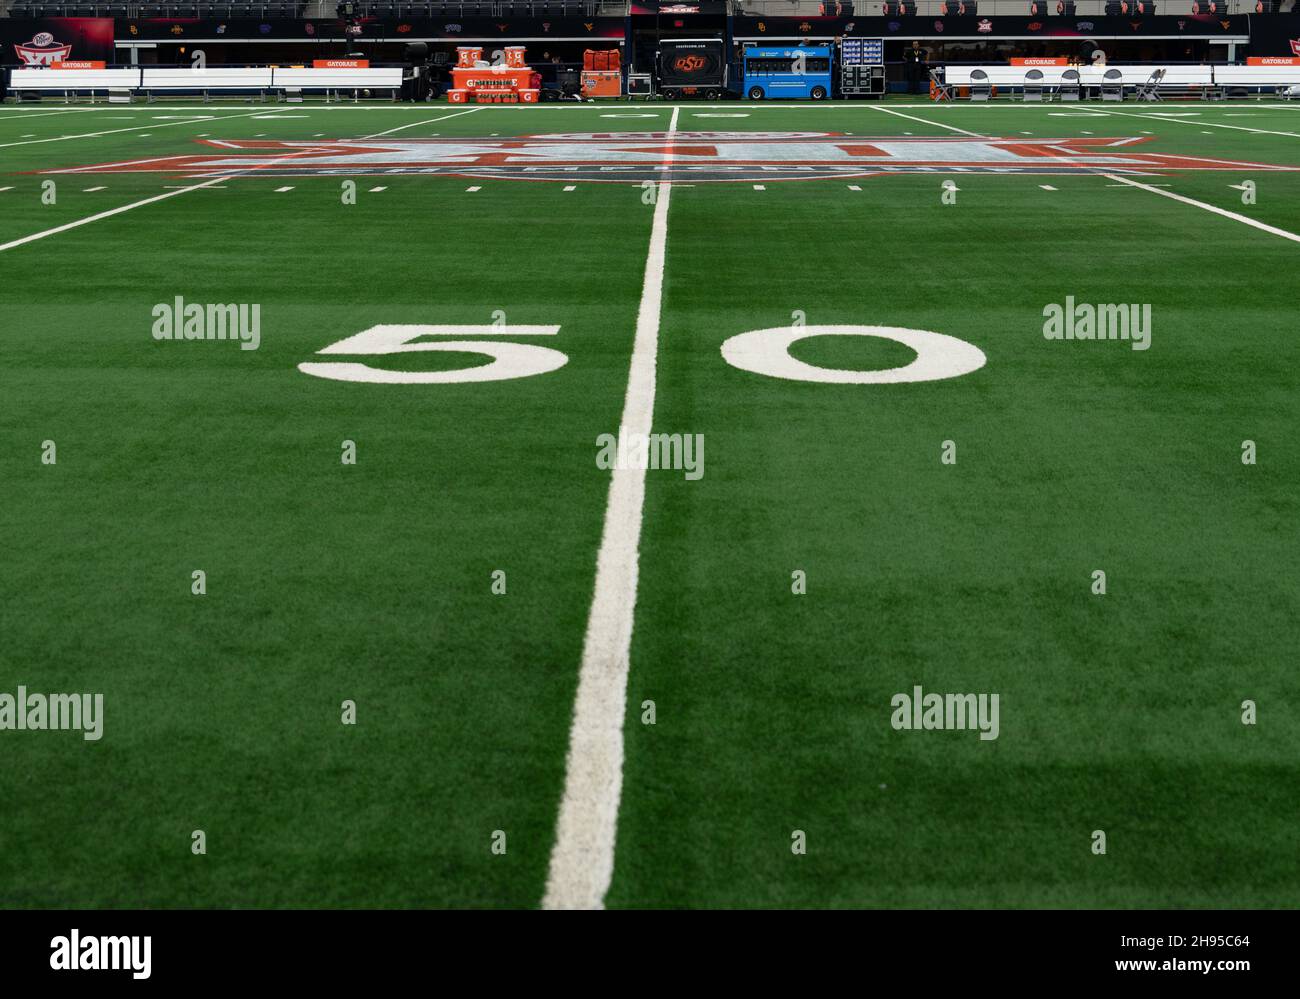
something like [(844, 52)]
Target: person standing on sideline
[(913, 66)]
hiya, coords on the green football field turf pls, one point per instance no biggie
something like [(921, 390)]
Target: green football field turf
[(372, 582)]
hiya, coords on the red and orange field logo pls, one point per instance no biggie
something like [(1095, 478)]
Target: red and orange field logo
[(634, 157)]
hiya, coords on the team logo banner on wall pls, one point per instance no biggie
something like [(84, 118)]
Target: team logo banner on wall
[(678, 7), (45, 41), (42, 50), (1275, 35), (369, 29), (1190, 25)]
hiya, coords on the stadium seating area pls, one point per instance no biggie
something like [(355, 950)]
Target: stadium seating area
[(971, 8), (588, 8), (27, 8), (360, 8)]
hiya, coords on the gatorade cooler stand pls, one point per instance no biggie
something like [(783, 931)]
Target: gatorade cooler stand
[(473, 79)]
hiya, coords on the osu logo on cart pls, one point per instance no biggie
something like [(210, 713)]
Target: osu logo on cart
[(690, 63)]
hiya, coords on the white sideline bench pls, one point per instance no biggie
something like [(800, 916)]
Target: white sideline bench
[(1257, 76), (66, 80), (1187, 78), (213, 80)]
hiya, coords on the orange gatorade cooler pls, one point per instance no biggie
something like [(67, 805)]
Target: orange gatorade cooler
[(467, 56), (528, 96), (457, 96), (515, 56)]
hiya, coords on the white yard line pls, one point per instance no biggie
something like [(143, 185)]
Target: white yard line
[(132, 128), (144, 201), (426, 121), (927, 121), (582, 860), (1211, 124), (104, 215), (1295, 238)]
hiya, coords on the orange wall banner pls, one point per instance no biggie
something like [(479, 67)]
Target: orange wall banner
[(1273, 60), (340, 64), (1041, 61), (79, 64)]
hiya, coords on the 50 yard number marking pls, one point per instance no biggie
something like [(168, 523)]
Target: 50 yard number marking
[(762, 352)]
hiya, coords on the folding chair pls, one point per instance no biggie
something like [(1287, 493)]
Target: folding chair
[(1150, 91), (1070, 85), (1112, 85), (979, 85), (941, 90), (1033, 85)]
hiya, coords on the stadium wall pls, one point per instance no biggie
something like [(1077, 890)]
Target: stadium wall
[(254, 41)]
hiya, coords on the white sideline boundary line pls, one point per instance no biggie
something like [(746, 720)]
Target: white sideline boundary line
[(134, 128), (428, 121), (582, 860), (1295, 238), (23, 116), (14, 111), (927, 121)]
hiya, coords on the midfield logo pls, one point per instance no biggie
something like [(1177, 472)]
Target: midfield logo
[(634, 157)]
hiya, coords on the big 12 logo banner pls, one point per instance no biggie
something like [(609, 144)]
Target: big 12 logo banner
[(42, 50), (42, 43)]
